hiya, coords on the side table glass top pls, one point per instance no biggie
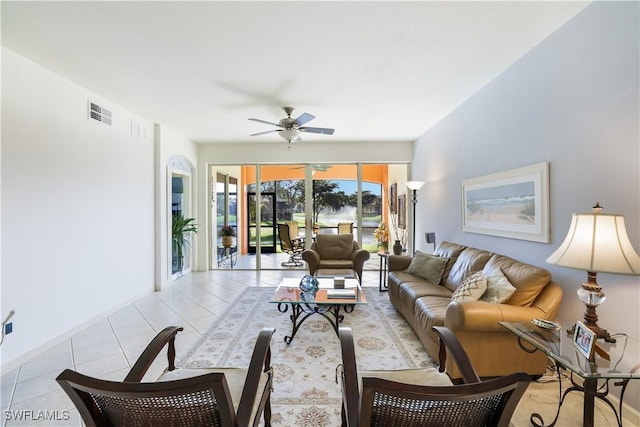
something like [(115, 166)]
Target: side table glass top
[(624, 354)]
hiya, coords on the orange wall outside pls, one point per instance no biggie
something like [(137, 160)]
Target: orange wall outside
[(370, 173)]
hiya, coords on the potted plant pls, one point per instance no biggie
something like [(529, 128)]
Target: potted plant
[(227, 232), (181, 229), (381, 234)]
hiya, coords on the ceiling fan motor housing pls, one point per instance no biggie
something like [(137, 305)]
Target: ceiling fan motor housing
[(287, 123)]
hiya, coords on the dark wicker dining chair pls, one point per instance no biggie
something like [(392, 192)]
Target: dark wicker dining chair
[(180, 397), (418, 397)]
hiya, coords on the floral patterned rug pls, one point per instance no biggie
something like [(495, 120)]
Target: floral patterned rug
[(305, 389)]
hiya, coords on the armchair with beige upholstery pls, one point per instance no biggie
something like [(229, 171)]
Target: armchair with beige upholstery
[(335, 252), (185, 397)]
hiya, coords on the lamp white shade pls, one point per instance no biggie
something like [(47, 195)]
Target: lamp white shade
[(598, 243), (415, 185)]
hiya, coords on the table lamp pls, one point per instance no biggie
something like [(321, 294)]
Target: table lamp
[(597, 243)]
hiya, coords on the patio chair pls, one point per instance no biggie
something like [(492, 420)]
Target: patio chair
[(345, 228), (180, 397), (291, 246), (293, 230), (426, 397)]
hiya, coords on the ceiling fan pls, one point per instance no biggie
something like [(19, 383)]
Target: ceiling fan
[(289, 129), (316, 167)]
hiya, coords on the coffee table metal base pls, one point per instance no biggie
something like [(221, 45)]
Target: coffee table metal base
[(301, 312)]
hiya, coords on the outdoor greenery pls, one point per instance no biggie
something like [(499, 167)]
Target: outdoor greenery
[(327, 197), (333, 201), (227, 230)]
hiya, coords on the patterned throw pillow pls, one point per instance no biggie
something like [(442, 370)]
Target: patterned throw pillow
[(471, 289), (499, 289)]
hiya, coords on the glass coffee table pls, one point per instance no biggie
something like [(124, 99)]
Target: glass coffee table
[(623, 366), (326, 302)]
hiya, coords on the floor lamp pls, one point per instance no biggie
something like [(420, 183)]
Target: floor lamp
[(414, 186)]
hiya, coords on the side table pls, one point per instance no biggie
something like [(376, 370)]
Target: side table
[(384, 269), (623, 367), (227, 255)]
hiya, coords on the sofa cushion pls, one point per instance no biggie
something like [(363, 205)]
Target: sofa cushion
[(334, 246), (528, 280), (451, 251), (336, 264), (429, 312), (473, 287), (469, 261), (428, 267), (499, 289)]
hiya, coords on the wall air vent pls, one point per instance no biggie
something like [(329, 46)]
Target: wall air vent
[(96, 112)]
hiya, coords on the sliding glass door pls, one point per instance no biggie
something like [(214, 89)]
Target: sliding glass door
[(317, 198)]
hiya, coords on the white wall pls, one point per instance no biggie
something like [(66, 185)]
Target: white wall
[(325, 151), (78, 208), (572, 101)]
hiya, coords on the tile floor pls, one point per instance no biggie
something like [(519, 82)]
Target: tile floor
[(108, 348)]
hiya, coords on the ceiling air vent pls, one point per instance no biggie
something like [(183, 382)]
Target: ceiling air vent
[(96, 112)]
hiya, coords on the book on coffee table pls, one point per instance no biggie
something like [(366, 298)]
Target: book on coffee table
[(341, 294)]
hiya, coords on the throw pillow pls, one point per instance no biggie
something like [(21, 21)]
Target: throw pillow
[(499, 289), (428, 267), (471, 289)]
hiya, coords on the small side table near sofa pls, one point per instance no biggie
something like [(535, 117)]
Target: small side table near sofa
[(622, 367)]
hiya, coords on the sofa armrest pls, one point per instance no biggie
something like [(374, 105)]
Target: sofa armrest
[(312, 258), (481, 316), (359, 257), (549, 301), (399, 262)]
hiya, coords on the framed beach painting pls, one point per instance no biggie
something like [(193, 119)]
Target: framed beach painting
[(513, 203)]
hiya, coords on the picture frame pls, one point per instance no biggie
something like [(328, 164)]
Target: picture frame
[(402, 211), (393, 198), (584, 340), (512, 204)]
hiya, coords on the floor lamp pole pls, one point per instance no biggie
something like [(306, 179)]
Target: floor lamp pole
[(414, 186), (414, 201)]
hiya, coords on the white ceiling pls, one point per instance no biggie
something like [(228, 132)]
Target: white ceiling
[(382, 71)]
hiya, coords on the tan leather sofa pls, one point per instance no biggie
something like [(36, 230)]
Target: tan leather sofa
[(335, 252), (493, 350)]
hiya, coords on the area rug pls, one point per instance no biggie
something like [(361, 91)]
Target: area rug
[(305, 389)]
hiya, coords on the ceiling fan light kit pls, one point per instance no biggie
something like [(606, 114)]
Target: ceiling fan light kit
[(290, 135), (289, 129)]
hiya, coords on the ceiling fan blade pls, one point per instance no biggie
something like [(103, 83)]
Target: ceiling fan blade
[(325, 131), (268, 131), (303, 118), (264, 121)]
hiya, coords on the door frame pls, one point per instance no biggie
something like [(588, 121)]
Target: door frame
[(265, 249), (187, 211)]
